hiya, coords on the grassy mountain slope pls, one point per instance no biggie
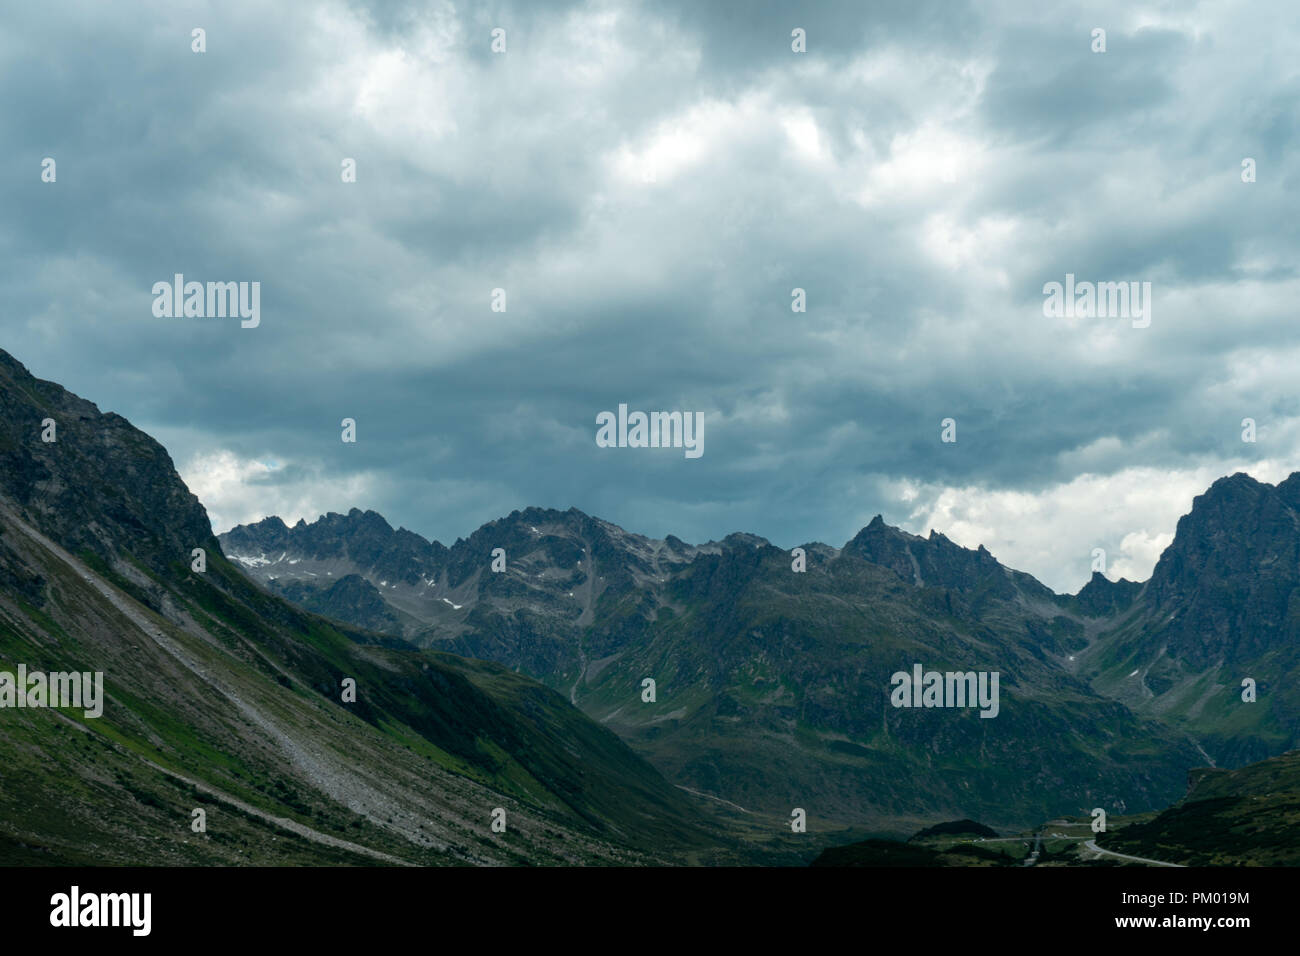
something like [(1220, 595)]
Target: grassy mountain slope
[(772, 686), (225, 698), (1244, 817)]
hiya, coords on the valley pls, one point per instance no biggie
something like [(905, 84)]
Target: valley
[(620, 700)]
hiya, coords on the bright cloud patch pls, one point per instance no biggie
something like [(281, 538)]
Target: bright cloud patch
[(241, 490), (1051, 533)]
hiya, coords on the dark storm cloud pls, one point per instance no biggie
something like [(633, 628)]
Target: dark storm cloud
[(649, 181)]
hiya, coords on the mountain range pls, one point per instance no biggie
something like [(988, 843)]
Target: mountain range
[(343, 692), (222, 698), (772, 685)]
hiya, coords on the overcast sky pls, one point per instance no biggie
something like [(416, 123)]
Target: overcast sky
[(648, 182)]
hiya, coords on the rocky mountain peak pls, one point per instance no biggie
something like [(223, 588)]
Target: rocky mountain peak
[(91, 480), (1102, 596)]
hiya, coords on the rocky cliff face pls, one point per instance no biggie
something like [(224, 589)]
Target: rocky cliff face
[(938, 562), (100, 482), (362, 539), (1222, 607), (1231, 578), (1102, 597)]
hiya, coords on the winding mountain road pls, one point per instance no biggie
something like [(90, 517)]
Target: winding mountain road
[(1092, 845)]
